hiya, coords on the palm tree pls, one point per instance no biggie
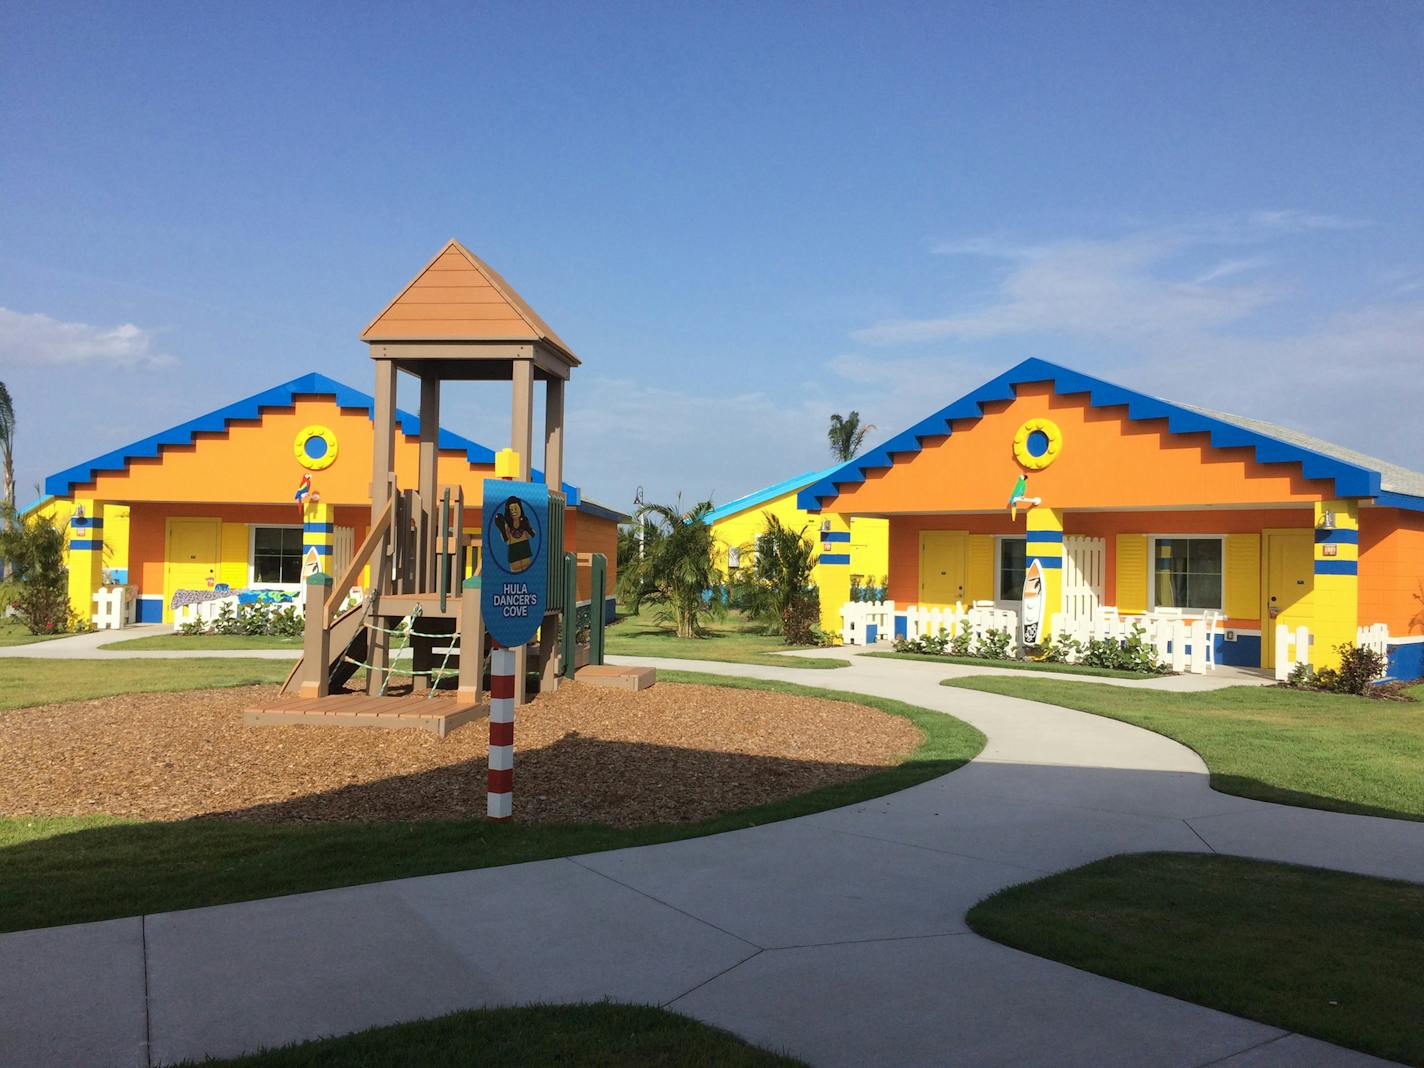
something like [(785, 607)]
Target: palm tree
[(677, 568), (846, 435), (777, 588), (7, 443)]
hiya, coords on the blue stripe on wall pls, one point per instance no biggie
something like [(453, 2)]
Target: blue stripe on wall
[(85, 522), (321, 550), (1337, 567), (318, 528), (149, 610), (835, 535), (1049, 563), (835, 558), (86, 543), (1406, 661), (1045, 535), (1338, 536)]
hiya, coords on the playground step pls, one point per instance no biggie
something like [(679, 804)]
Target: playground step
[(439, 715), (621, 678)]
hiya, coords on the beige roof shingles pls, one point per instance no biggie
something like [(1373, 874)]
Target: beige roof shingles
[(459, 297)]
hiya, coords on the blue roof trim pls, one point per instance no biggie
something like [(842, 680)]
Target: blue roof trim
[(1350, 480), (1406, 501), (250, 408), (770, 493)]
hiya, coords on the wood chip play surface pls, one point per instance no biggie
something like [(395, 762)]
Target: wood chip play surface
[(672, 753)]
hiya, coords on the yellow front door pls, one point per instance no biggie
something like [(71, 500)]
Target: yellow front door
[(191, 562), (1289, 578), (942, 566)]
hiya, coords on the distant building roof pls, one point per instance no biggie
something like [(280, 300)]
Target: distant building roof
[(762, 496)]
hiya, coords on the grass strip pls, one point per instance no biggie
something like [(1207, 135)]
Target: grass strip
[(75, 869), (733, 639), (601, 1034), (199, 642), (1292, 747), (1018, 665), (1322, 953), (25, 682)]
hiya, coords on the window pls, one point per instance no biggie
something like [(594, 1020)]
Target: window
[(1188, 573), (734, 556), (1012, 562), (277, 555)]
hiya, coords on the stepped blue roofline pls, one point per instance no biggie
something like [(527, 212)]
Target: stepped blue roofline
[(751, 500), (1351, 480), (283, 396)]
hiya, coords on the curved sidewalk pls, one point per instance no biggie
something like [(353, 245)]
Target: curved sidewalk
[(839, 937)]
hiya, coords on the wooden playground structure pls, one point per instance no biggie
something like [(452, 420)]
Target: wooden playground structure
[(457, 320)]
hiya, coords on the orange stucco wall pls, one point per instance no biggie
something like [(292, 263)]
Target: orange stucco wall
[(1392, 569), (1107, 461), (148, 526), (253, 462), (905, 534)]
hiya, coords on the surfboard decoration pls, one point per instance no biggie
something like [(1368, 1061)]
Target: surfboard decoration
[(1032, 603)]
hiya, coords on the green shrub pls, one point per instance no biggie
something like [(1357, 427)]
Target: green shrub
[(1360, 668), (994, 644), (1131, 654), (38, 580)]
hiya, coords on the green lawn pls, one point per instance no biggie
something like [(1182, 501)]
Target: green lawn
[(73, 869), (1323, 953), (13, 632), (205, 641), (37, 682), (734, 639), (1018, 665), (600, 1034), (1318, 750)]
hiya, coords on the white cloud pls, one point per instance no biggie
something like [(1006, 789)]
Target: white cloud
[(1116, 290), (37, 339)]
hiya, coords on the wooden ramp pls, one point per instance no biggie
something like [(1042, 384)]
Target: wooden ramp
[(439, 715)]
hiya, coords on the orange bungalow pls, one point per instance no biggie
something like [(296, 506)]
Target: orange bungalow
[(1132, 503)]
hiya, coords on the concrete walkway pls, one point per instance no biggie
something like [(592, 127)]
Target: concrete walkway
[(838, 937)]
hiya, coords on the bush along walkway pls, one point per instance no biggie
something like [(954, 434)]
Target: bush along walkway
[(828, 937)]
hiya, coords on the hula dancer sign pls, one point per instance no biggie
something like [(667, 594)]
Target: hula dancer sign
[(1032, 603), (514, 576)]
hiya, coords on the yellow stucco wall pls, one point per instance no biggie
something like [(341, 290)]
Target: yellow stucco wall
[(868, 547), (116, 528)]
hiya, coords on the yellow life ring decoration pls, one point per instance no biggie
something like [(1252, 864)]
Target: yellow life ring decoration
[(315, 447), (1037, 443)]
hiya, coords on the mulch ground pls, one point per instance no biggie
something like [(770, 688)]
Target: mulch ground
[(672, 753)]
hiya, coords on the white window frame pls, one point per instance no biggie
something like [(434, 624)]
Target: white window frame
[(999, 540), (1152, 540), (252, 584)]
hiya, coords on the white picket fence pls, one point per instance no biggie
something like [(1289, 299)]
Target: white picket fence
[(858, 616), (923, 621), (1293, 646), (115, 607), (1184, 645)]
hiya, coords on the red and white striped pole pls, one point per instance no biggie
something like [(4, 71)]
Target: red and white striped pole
[(501, 734)]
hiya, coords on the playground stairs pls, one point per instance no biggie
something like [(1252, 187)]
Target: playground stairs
[(437, 714)]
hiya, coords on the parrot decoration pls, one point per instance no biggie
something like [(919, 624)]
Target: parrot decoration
[(304, 495), (1020, 496)]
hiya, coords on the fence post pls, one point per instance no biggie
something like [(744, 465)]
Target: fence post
[(596, 609), (568, 636)]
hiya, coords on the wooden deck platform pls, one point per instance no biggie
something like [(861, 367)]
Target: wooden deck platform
[(618, 678), (439, 714)]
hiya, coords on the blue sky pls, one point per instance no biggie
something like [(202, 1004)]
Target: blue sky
[(741, 216)]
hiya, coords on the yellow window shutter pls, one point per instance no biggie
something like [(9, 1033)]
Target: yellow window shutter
[(232, 567), (1132, 573), (1243, 576), (980, 580)]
